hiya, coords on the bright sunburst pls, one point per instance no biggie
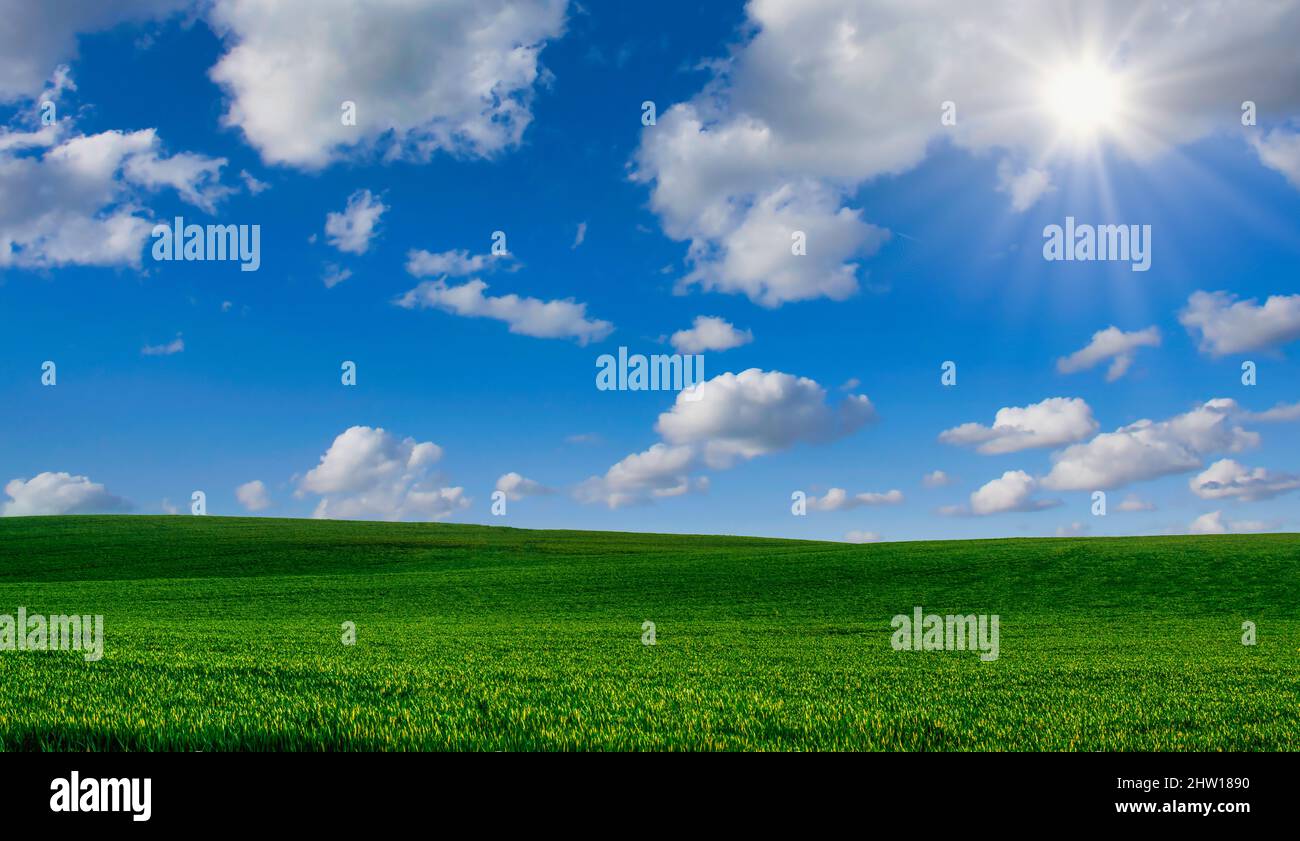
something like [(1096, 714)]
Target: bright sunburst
[(1086, 100)]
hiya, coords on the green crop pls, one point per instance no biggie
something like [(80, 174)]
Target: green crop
[(226, 633)]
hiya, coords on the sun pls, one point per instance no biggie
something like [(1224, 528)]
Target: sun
[(1086, 101)]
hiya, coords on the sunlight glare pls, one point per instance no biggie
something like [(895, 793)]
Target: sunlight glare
[(1086, 100)]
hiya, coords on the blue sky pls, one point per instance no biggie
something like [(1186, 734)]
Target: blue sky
[(924, 246)]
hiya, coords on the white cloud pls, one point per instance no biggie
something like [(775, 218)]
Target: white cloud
[(251, 184), (581, 236), (1226, 325), (1213, 523), (455, 263), (565, 319), (736, 417), (362, 457), (334, 275), (253, 496), (60, 81), (1012, 491), (516, 487), (1025, 187), (755, 257), (456, 75), (1113, 344), (660, 471), (1279, 413), (1279, 149), (1134, 503), (59, 493), (710, 333), (1226, 479), (352, 229), (195, 178), (77, 200), (368, 473), (747, 247), (936, 479), (859, 536), (741, 416), (176, 345), (837, 499), (1054, 421), (1148, 450), (824, 96)]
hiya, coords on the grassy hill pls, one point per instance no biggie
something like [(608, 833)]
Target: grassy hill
[(226, 633)]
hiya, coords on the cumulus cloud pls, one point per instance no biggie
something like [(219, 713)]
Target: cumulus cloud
[(1213, 523), (352, 229), (368, 473), (454, 76), (838, 499), (1012, 491), (59, 493), (555, 319), (824, 96), (1226, 479), (728, 419), (70, 199), (859, 536), (756, 256), (936, 479), (253, 496), (1054, 421), (1223, 325), (710, 333), (1279, 149), (516, 487), (741, 416), (660, 471), (1148, 449), (1113, 344)]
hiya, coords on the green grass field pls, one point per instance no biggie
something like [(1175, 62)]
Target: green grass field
[(225, 633)]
